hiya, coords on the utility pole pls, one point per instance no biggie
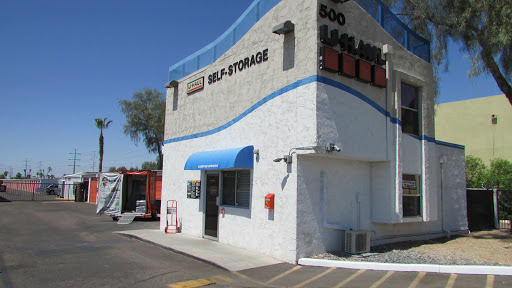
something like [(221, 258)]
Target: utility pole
[(74, 160), (93, 159), (26, 167)]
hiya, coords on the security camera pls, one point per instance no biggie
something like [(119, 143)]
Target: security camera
[(329, 147)]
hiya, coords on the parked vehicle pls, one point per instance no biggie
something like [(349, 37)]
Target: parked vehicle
[(52, 189)]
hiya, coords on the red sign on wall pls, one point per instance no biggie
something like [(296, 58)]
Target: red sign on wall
[(378, 76), (348, 66), (329, 59), (363, 71)]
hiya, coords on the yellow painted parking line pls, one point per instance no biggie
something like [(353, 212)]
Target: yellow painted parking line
[(316, 277), (381, 280), (192, 283), (250, 279), (355, 275), (222, 278), (490, 281), (283, 274), (417, 280), (451, 281)]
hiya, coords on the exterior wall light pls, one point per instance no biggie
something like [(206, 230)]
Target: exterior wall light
[(284, 28), (171, 84)]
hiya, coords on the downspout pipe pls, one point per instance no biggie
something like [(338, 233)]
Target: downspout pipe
[(442, 160)]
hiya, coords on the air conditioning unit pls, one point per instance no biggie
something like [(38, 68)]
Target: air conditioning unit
[(357, 241)]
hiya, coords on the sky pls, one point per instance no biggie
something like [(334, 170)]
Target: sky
[(65, 63)]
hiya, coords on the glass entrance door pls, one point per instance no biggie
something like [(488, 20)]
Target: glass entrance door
[(211, 216)]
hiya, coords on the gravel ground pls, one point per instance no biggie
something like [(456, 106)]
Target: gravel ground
[(478, 248)]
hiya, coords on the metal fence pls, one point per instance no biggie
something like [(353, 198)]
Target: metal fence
[(505, 209), (35, 190), (228, 39), (489, 209), (404, 35)]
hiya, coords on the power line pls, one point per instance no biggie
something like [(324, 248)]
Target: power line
[(74, 160)]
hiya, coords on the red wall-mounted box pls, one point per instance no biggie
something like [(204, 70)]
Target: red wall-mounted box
[(269, 201)]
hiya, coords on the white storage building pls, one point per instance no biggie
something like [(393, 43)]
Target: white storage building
[(324, 108)]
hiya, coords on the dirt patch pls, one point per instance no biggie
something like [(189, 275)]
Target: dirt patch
[(483, 246), (477, 248)]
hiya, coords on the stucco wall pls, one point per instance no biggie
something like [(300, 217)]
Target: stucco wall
[(222, 101), (365, 119), (469, 123), (452, 177), (334, 195), (273, 133)]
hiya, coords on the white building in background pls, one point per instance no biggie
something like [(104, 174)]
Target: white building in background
[(319, 108), (69, 183)]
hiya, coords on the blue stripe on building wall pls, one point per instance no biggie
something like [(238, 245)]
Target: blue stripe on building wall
[(300, 83)]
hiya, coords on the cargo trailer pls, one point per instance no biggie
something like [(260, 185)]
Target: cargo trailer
[(130, 194)]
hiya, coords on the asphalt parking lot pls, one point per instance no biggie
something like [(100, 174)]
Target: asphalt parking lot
[(65, 244)]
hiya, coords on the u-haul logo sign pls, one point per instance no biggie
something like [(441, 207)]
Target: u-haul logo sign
[(195, 85)]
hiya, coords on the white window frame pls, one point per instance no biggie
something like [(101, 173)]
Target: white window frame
[(418, 110), (418, 195)]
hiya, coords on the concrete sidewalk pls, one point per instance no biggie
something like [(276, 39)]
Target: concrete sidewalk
[(225, 256)]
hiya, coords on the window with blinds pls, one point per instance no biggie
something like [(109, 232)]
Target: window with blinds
[(411, 195), (236, 188)]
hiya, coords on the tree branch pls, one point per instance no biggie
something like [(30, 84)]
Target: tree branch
[(493, 67)]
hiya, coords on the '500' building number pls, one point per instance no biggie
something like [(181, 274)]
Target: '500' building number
[(331, 15)]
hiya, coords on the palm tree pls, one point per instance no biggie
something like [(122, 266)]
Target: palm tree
[(102, 124)]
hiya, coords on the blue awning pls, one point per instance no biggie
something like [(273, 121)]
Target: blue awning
[(221, 159)]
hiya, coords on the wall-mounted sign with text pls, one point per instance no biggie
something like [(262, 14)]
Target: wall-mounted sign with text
[(195, 85), (239, 66), (362, 61)]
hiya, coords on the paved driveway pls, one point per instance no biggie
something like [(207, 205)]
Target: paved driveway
[(65, 244)]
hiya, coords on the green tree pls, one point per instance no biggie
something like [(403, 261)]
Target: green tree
[(101, 124), (18, 176), (112, 169), (482, 28), (148, 165), (476, 172), (122, 168), (145, 119), (500, 174)]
